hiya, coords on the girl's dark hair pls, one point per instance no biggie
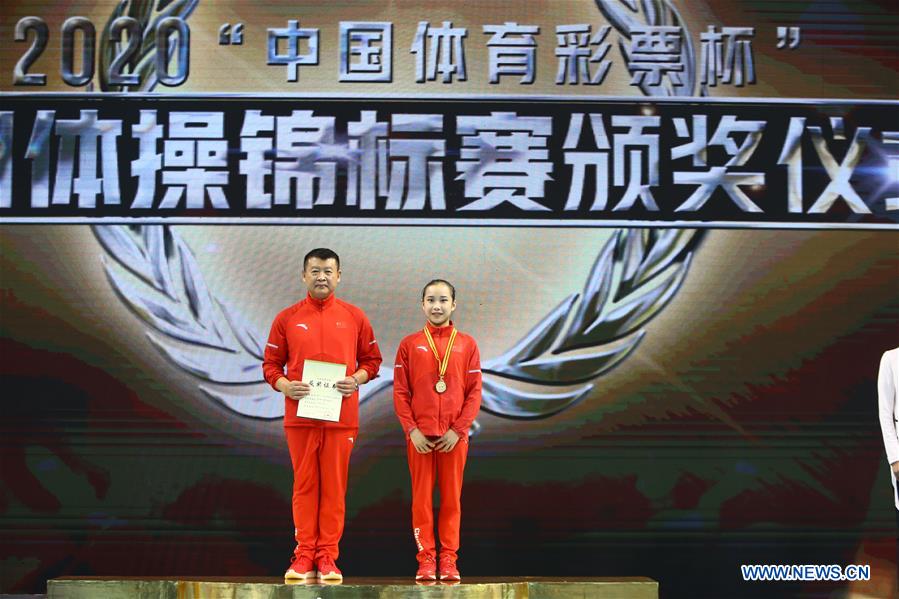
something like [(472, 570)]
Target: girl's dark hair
[(437, 282)]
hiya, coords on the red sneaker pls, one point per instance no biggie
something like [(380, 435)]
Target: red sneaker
[(427, 569), (448, 570), (301, 568), (328, 570)]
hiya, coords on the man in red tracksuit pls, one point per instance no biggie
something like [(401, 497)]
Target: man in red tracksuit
[(437, 394), (320, 327)]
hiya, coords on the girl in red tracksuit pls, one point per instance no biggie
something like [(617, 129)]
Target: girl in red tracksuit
[(437, 394)]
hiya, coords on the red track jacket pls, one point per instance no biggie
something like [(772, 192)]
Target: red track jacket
[(417, 403), (329, 330)]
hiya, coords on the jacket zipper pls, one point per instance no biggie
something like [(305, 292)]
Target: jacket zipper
[(321, 336), (439, 402), (321, 327)]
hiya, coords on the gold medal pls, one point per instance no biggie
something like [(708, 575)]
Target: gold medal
[(440, 386)]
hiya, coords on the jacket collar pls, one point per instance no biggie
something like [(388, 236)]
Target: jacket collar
[(320, 304), (441, 331)]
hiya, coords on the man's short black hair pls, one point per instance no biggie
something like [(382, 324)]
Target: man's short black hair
[(322, 254), (437, 282)]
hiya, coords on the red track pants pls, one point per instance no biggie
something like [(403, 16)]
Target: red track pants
[(321, 461), (446, 470)]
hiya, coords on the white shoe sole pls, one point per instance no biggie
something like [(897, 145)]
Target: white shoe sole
[(294, 575), (331, 577)]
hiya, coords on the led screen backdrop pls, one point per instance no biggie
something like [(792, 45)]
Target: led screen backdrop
[(668, 393)]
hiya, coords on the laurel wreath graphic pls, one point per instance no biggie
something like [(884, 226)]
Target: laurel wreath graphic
[(627, 15), (635, 274)]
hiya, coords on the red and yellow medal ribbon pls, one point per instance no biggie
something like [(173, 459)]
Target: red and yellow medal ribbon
[(442, 364)]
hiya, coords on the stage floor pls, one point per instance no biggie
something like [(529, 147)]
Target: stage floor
[(108, 587)]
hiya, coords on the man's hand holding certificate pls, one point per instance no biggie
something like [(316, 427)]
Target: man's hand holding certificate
[(324, 399)]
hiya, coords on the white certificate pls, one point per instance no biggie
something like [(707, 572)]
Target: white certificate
[(324, 400)]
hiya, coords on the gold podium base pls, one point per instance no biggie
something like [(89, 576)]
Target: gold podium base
[(108, 587)]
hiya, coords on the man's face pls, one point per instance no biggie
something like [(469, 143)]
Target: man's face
[(321, 277), (438, 304)]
